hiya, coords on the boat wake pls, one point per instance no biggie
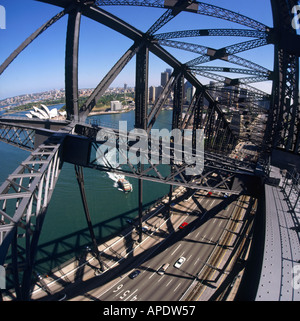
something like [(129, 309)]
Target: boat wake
[(115, 177), (120, 182)]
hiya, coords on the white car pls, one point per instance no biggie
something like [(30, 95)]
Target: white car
[(179, 262)]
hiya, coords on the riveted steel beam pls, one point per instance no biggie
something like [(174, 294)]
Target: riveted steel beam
[(28, 190), (71, 64), (32, 37), (283, 128)]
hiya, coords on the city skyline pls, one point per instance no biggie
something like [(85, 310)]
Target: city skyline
[(40, 66)]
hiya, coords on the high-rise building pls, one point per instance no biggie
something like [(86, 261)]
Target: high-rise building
[(158, 91), (189, 91), (169, 71), (152, 94), (164, 78)]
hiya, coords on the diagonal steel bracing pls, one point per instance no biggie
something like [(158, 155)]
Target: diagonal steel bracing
[(157, 159), (24, 198), (25, 195), (196, 7), (20, 136), (283, 128)]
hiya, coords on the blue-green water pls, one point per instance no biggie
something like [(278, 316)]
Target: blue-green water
[(65, 233)]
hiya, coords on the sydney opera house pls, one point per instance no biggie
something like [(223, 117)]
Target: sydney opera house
[(45, 113)]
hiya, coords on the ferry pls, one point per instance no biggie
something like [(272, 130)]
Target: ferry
[(124, 185)]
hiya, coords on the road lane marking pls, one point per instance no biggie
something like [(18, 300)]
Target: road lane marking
[(151, 275), (192, 230), (169, 282), (204, 214), (160, 278), (130, 295), (177, 287), (119, 293), (176, 249)]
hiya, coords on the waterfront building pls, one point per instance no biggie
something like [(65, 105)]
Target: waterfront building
[(115, 105)]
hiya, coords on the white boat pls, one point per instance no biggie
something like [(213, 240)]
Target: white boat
[(124, 185), (120, 182)]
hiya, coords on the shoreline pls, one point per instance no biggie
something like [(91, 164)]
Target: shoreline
[(93, 113)]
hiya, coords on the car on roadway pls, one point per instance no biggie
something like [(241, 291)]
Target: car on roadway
[(145, 229), (129, 221), (209, 194), (163, 269), (179, 262), (183, 225), (134, 274)]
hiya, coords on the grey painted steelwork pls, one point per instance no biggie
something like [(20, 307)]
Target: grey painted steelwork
[(203, 112), (28, 190), (281, 252)]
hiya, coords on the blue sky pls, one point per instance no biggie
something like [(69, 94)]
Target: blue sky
[(41, 65)]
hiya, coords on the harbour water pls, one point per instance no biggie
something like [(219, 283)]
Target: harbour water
[(65, 233)]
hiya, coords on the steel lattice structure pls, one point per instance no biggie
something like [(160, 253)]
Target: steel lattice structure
[(25, 195)]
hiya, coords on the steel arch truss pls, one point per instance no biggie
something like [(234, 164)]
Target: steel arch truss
[(20, 136), (26, 193), (283, 130), (165, 161)]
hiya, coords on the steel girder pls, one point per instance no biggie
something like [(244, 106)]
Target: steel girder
[(217, 174), (261, 32), (177, 7), (141, 88), (217, 128), (211, 33), (257, 73), (107, 80), (196, 7), (208, 54), (140, 40), (284, 114), (178, 103), (33, 36), (26, 193), (20, 136), (71, 64)]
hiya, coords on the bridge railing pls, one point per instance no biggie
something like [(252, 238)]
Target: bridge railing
[(291, 189)]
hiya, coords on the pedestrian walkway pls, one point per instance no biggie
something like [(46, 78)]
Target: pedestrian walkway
[(281, 250)]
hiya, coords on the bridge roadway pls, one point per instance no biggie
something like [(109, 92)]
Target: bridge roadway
[(196, 244), (208, 221)]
